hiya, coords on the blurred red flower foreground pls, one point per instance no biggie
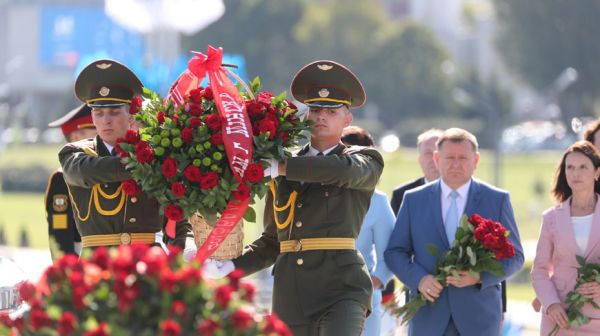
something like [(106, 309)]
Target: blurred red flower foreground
[(137, 290)]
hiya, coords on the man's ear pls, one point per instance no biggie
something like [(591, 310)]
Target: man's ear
[(349, 118), (436, 159)]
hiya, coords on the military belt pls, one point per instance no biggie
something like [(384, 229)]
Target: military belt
[(308, 244), (125, 238)]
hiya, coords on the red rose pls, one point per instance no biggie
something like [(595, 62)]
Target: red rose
[(160, 117), (178, 307), (284, 136), (175, 118), (26, 291), (187, 134), (209, 181), (223, 295), (170, 328), (241, 192), (120, 151), (475, 220), (273, 115), (196, 110), (264, 98), (130, 187), (66, 324), (208, 93), (255, 110), (101, 258), (275, 326), (255, 172), (189, 275), (208, 327), (249, 291), (146, 155), (196, 96), (213, 121), (132, 136), (194, 122), (170, 167), (242, 320), (155, 260), (168, 280), (39, 319), (234, 277), (192, 173), (216, 139), (178, 189), (123, 263), (267, 125), (77, 297), (136, 103), (173, 212)]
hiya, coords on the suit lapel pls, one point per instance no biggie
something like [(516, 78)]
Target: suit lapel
[(473, 198), (594, 236), (564, 226), (435, 198)]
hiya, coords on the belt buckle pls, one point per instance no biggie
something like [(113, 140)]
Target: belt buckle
[(298, 246), (125, 238)]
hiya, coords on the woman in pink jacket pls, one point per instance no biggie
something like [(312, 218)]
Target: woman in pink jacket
[(569, 229)]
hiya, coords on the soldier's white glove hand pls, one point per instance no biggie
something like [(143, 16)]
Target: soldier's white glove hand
[(190, 250), (217, 269), (273, 169)]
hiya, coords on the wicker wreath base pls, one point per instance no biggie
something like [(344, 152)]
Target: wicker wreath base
[(232, 245)]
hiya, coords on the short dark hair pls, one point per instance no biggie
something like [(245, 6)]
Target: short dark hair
[(591, 130), (561, 189), (356, 136)]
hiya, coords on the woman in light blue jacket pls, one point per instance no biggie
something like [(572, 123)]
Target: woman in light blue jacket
[(374, 236)]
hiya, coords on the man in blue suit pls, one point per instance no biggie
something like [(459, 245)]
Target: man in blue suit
[(470, 304)]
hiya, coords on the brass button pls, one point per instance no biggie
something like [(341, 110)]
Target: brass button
[(125, 238), (134, 199), (106, 186), (326, 194), (299, 205), (132, 220), (300, 261), (298, 224)]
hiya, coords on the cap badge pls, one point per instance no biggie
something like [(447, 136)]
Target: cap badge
[(324, 67), (103, 66), (323, 93), (104, 91)]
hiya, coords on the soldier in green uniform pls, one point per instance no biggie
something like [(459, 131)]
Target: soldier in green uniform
[(314, 213), (104, 213), (64, 237)]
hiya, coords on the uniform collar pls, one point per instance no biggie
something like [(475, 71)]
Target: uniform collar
[(313, 152)]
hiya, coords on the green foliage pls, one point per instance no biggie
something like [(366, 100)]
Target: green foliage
[(586, 273), (540, 38), (399, 63)]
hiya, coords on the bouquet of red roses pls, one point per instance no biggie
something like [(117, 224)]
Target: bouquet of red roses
[(178, 155), (479, 244), (137, 290)]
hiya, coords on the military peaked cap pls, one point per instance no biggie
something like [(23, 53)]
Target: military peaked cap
[(107, 83), (327, 84)]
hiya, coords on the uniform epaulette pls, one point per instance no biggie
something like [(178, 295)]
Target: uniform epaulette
[(87, 145), (354, 149)]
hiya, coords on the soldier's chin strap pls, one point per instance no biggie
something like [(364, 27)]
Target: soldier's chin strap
[(291, 205)]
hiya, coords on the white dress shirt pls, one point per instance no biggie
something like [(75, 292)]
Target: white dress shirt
[(461, 200)]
